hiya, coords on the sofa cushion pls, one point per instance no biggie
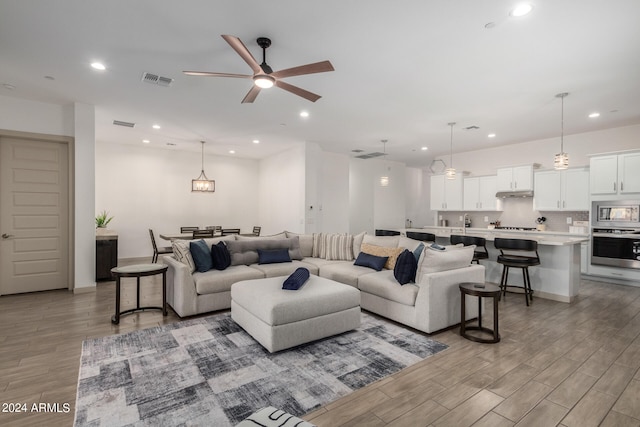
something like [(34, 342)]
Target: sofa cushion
[(214, 281), (407, 243), (357, 242), (282, 235), (246, 251), (220, 256), (283, 268), (406, 266), (306, 243), (273, 256), (391, 252), (453, 257), (344, 272), (384, 241), (384, 285), (372, 261), (339, 247), (296, 279), (201, 255)]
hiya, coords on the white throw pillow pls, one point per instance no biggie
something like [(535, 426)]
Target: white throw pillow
[(453, 257)]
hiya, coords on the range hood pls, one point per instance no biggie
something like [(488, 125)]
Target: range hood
[(505, 194)]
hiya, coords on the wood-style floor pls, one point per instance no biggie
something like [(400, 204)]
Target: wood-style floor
[(557, 364)]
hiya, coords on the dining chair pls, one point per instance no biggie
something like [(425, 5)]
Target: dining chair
[(217, 229), (227, 231), (202, 234), (188, 229), (156, 250), (256, 230)]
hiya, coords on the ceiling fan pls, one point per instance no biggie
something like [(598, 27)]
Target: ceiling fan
[(263, 76)]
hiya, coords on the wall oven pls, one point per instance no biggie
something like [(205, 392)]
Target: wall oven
[(615, 234)]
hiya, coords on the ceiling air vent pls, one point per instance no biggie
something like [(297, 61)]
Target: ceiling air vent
[(357, 150), (474, 127), (156, 79), (370, 155), (125, 124)]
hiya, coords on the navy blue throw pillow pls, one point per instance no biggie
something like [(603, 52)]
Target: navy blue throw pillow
[(201, 255), (296, 279), (418, 251), (406, 266), (372, 261), (271, 256), (220, 256)]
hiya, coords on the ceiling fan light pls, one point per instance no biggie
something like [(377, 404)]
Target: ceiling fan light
[(264, 81)]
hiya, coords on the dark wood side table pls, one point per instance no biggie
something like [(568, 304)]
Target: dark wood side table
[(480, 290), (138, 271)]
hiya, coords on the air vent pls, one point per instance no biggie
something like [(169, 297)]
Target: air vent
[(370, 155), (156, 79), (125, 124), (474, 127), (357, 150)]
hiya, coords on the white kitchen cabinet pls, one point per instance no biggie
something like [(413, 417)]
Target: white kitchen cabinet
[(480, 194), (518, 178), (564, 190), (615, 174), (446, 194)]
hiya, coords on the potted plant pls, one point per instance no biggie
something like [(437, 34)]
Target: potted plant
[(102, 219)]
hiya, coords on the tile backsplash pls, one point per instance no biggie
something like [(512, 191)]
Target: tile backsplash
[(518, 212)]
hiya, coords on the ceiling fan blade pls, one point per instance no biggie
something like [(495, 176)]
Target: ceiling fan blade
[(242, 50), (318, 67), (208, 74), (297, 91), (251, 95)]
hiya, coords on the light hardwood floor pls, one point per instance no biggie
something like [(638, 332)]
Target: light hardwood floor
[(557, 364)]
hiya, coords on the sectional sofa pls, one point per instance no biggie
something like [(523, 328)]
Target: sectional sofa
[(429, 304)]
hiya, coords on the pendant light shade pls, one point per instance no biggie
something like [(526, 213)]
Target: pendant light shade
[(450, 172), (202, 184), (561, 160)]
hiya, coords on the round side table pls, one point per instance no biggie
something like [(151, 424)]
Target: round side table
[(138, 271), (480, 290)]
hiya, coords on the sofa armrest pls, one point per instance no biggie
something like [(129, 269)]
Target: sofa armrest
[(181, 288), (438, 299)]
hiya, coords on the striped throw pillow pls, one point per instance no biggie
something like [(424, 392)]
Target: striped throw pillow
[(318, 250), (339, 247)]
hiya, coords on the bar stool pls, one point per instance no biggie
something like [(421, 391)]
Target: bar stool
[(418, 235), (481, 246), (516, 260), (387, 233)]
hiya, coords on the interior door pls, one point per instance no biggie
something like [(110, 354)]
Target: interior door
[(34, 215)]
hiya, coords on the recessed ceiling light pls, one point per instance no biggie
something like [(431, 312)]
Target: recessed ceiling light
[(256, 141), (304, 114), (156, 126), (232, 151), (491, 135), (146, 141), (424, 148), (594, 115), (98, 66), (521, 10)]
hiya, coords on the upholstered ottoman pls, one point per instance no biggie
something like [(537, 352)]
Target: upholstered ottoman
[(280, 319)]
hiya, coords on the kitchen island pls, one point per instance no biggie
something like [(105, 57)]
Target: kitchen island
[(556, 278)]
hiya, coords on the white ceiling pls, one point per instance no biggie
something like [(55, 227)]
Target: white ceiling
[(403, 70)]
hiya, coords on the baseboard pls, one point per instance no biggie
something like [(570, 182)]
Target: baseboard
[(549, 296), (85, 289)]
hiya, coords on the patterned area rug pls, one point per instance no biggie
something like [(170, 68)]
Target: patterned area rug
[(209, 371)]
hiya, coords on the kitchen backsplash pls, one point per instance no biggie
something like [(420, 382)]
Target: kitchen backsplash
[(518, 212)]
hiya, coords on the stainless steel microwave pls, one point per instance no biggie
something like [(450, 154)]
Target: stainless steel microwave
[(615, 214)]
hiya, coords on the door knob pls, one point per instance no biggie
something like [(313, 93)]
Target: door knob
[(7, 236)]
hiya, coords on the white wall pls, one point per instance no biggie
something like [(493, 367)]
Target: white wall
[(334, 190), (579, 147), (145, 187)]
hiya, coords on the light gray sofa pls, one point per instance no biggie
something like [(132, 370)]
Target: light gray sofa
[(430, 304)]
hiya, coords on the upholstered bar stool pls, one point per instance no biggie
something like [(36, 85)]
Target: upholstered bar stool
[(480, 242), (418, 235), (517, 253)]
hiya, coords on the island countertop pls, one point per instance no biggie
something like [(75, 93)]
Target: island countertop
[(547, 238)]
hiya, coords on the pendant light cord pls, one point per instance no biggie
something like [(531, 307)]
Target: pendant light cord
[(562, 124), (451, 145), (202, 163)]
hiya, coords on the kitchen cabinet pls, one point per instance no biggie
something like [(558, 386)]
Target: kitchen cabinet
[(518, 178), (479, 194), (446, 194), (563, 190), (615, 174)]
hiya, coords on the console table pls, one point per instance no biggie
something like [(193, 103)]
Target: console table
[(138, 271)]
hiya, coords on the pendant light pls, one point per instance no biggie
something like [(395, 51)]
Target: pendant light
[(450, 172), (384, 179), (202, 184), (561, 160)]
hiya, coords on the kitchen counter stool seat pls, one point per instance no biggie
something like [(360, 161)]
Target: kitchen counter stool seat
[(517, 253)]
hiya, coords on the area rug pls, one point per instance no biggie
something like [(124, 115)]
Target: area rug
[(209, 371)]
